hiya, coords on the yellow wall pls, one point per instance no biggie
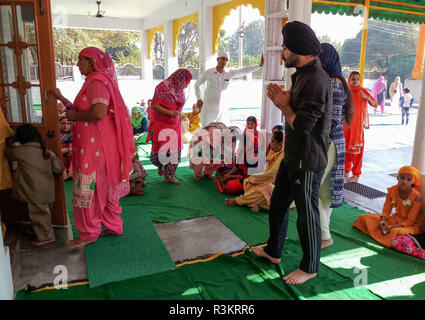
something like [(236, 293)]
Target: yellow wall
[(221, 11), (178, 24), (151, 34)]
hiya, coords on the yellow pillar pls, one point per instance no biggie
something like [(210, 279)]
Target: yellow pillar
[(420, 55), (364, 39)]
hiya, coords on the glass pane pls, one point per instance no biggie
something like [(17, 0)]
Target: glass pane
[(9, 65), (29, 61), (13, 109), (26, 26), (6, 24), (33, 105)]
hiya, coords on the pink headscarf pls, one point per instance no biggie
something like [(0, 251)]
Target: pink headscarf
[(105, 71), (102, 62), (170, 91), (378, 87)]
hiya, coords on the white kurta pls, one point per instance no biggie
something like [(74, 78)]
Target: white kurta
[(217, 82), (395, 101)]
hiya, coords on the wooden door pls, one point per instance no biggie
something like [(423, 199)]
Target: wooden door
[(26, 73)]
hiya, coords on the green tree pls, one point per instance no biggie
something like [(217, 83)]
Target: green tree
[(390, 46), (158, 54), (253, 43), (188, 45), (120, 45)]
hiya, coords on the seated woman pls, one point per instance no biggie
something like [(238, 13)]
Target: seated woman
[(138, 120), (258, 188), (276, 128), (402, 212), (65, 137), (204, 163), (140, 125)]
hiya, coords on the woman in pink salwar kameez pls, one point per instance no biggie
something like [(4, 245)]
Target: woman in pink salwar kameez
[(165, 123), (102, 148)]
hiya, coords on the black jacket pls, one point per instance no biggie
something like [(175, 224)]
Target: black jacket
[(306, 146)]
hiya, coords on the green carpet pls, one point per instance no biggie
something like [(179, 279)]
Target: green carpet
[(139, 251), (244, 277), (389, 274)]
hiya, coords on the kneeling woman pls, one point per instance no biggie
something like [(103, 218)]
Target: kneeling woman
[(258, 188), (402, 212)]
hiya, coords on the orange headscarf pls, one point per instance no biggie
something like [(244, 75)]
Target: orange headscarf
[(412, 171)]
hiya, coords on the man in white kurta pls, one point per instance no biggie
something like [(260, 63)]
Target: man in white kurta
[(217, 80)]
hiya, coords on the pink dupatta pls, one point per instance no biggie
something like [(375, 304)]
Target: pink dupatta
[(105, 72)]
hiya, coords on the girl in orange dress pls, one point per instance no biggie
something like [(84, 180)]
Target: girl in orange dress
[(354, 134), (402, 212)]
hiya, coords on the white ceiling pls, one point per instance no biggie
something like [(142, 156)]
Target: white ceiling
[(135, 9)]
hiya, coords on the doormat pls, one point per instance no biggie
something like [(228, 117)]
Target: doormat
[(364, 191)]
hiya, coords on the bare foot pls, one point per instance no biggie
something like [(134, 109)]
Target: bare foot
[(255, 208), (298, 277), (160, 171), (108, 232), (327, 243), (354, 179), (230, 202), (78, 242), (259, 252), (41, 243), (172, 180), (196, 178), (345, 177)]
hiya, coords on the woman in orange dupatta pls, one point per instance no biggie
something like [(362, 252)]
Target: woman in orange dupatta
[(354, 134), (402, 212)]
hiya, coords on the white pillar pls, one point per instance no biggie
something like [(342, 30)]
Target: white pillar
[(6, 280), (418, 155), (206, 58), (171, 63), (146, 62)]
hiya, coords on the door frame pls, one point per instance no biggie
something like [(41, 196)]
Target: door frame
[(49, 129)]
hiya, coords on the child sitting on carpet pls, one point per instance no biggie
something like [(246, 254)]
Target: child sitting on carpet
[(413, 245), (137, 177), (34, 179), (65, 137), (191, 121), (402, 212), (230, 179)]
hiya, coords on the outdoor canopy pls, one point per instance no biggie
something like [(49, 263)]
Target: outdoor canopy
[(412, 11)]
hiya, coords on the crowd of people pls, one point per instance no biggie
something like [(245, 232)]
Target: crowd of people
[(304, 166)]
